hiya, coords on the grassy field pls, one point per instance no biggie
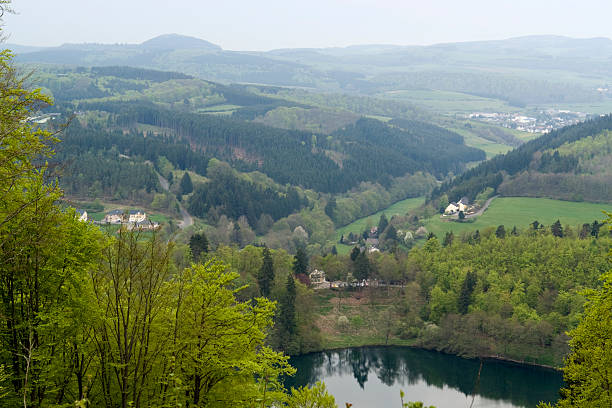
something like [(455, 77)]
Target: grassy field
[(367, 314), (358, 226), (520, 212), (450, 102)]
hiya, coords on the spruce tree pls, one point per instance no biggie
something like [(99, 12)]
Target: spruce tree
[(382, 223), (500, 232), (198, 244), (266, 273), (557, 229), (186, 184), (300, 262)]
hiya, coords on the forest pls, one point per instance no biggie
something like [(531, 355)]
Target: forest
[(538, 153)]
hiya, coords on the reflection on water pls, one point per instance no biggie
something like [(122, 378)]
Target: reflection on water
[(373, 376)]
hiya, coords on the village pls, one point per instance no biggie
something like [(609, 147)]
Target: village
[(131, 219), (542, 121)]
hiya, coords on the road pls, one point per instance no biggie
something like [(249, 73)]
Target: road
[(187, 220), (484, 207)]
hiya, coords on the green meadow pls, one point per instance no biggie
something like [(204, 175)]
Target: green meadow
[(520, 212)]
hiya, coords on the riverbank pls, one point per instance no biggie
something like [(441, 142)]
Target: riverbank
[(382, 317)]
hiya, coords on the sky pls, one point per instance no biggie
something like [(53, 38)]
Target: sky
[(269, 24)]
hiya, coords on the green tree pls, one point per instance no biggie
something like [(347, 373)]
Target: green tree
[(500, 232), (382, 223), (287, 322), (198, 244), (557, 229), (467, 287), (44, 253), (218, 343), (588, 368), (186, 185), (315, 397), (265, 279), (448, 239), (300, 262), (330, 207)]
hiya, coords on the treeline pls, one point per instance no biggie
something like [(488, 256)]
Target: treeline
[(491, 172), (140, 74), (232, 196)]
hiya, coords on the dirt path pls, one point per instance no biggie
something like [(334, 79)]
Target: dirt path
[(187, 220)]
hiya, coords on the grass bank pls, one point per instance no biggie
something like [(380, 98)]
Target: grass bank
[(520, 212)]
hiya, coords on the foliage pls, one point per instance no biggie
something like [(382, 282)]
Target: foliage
[(587, 372), (266, 273), (314, 397)]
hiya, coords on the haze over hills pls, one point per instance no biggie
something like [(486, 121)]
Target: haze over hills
[(518, 71)]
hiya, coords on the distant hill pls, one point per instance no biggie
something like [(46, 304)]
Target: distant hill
[(176, 41), (516, 70)]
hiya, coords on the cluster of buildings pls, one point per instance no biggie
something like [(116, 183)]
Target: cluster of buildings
[(455, 208), (133, 219), (540, 122)]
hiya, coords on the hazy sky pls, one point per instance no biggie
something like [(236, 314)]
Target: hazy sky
[(268, 24)]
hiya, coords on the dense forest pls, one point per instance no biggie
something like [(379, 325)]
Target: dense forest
[(366, 151)]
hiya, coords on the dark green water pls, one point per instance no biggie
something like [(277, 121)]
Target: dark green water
[(372, 377)]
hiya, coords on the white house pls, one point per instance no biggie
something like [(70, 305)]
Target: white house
[(317, 277), (136, 216), (453, 208), (114, 217), (82, 214)]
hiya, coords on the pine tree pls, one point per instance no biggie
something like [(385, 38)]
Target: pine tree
[(300, 262), (557, 229), (186, 184), (266, 273), (500, 232), (287, 322), (382, 223), (467, 287), (198, 244)]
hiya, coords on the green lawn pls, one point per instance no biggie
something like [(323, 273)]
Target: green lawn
[(520, 212), (450, 102), (358, 226)]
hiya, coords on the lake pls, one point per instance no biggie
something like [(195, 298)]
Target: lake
[(372, 377)]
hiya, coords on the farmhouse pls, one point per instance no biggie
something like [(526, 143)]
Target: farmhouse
[(114, 217), (317, 277), (119, 216), (454, 208), (136, 216)]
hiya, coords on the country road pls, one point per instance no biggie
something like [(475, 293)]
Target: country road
[(187, 220), (484, 207)]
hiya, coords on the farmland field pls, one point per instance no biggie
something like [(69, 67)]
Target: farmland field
[(520, 212)]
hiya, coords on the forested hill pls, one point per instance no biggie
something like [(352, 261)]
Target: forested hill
[(367, 151), (572, 163)]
